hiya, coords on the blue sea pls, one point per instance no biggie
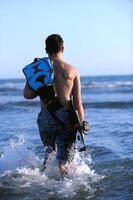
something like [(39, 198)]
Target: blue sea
[(104, 173)]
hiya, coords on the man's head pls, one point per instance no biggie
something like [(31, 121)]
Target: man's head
[(54, 44)]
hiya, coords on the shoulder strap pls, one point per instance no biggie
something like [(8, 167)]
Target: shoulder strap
[(57, 119)]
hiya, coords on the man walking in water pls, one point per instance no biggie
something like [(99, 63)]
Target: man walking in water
[(67, 84)]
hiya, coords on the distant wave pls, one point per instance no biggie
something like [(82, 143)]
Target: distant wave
[(11, 86), (103, 105), (17, 86), (19, 104), (108, 84), (110, 105)]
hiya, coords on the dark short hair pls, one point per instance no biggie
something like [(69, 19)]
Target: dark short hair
[(54, 43)]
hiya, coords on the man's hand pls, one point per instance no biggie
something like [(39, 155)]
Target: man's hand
[(85, 127)]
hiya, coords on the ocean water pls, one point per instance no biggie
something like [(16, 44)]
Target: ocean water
[(105, 173)]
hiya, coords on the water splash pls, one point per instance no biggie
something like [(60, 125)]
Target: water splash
[(18, 153), (21, 173)]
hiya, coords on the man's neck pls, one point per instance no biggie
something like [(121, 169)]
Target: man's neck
[(55, 57)]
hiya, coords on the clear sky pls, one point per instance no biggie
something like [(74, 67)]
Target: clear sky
[(97, 34)]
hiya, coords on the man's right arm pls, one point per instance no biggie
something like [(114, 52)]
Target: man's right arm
[(77, 97), (28, 92)]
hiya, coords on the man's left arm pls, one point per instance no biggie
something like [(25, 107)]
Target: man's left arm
[(28, 92)]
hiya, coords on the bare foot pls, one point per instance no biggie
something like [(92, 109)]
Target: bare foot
[(65, 168)]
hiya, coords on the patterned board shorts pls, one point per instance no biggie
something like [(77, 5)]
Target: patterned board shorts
[(56, 137)]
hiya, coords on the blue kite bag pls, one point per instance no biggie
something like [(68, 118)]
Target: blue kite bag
[(39, 73)]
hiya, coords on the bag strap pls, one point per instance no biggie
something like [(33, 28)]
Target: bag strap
[(57, 119)]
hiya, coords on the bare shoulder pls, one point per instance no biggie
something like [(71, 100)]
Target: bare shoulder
[(70, 70)]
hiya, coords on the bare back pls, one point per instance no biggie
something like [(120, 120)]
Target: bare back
[(64, 82), (68, 84)]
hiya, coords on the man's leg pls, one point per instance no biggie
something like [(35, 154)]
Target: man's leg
[(48, 140), (65, 150)]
